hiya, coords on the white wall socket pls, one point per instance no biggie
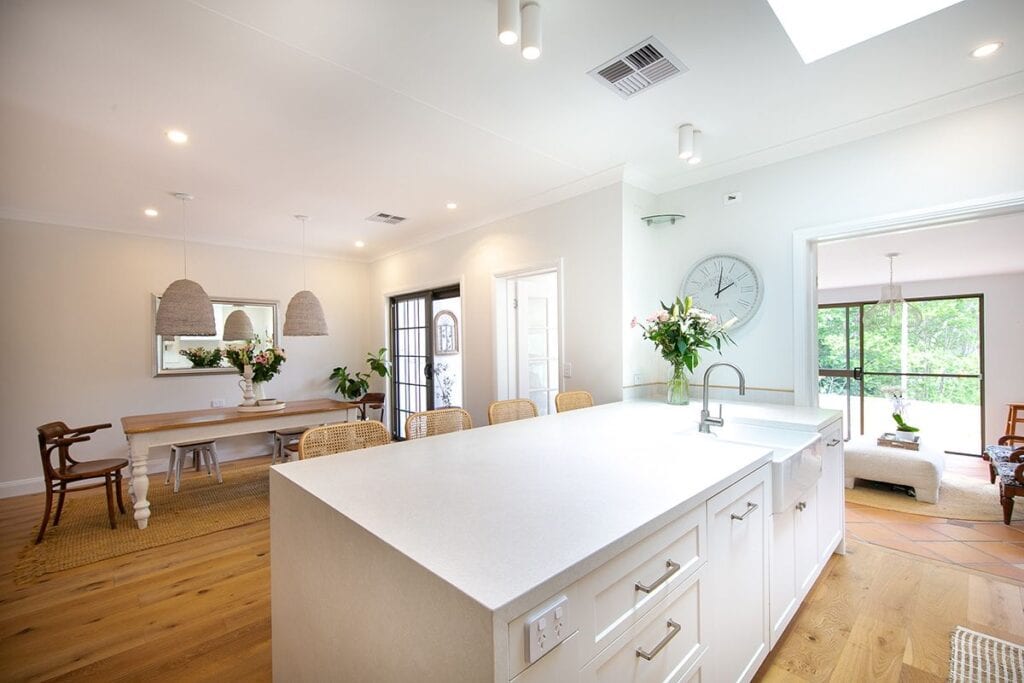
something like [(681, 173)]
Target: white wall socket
[(547, 627), (636, 378), (567, 370), (217, 403)]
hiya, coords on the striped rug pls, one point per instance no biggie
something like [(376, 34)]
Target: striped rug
[(978, 658)]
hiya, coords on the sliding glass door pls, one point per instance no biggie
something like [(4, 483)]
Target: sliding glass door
[(932, 355)]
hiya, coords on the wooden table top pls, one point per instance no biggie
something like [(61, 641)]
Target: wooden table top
[(138, 424)]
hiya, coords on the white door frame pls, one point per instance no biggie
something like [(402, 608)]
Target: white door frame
[(805, 270), (555, 266)]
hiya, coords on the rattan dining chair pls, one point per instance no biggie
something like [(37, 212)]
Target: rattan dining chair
[(433, 422), (573, 400), (511, 410), (341, 437)]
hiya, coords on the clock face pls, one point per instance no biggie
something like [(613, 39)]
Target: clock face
[(724, 285)]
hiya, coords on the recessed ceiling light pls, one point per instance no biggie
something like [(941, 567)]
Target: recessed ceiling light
[(451, 205), (152, 213), (360, 244), (819, 29), (986, 49), (178, 137)]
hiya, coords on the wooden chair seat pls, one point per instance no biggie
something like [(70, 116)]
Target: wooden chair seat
[(94, 468), (1011, 484)]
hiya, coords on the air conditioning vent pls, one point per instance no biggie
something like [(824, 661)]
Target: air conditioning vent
[(638, 68), (388, 218)]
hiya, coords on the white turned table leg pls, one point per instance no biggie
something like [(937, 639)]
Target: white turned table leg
[(139, 486)]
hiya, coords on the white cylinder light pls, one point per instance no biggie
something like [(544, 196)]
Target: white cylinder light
[(508, 21), (686, 141), (695, 156), (531, 30)]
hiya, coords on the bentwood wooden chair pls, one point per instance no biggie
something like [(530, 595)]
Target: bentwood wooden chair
[(371, 402), (1009, 445), (1010, 473), (341, 437), (58, 436), (573, 400), (511, 410), (434, 422)]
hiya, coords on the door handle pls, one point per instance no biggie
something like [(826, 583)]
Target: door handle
[(674, 628), (858, 373), (672, 568), (428, 371), (750, 508)]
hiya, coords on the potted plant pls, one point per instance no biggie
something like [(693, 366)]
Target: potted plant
[(354, 385)]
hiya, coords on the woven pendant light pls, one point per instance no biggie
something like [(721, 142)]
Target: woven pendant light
[(304, 316), (238, 326), (184, 308)]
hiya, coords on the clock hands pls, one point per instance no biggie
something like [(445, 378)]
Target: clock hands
[(724, 288), (719, 291)]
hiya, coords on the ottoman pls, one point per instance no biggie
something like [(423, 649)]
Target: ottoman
[(922, 469)]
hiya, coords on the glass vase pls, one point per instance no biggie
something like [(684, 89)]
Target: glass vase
[(678, 387)]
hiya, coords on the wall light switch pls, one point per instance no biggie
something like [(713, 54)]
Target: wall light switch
[(567, 370), (217, 403), (547, 627)]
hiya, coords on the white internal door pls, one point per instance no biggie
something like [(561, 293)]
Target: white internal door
[(529, 345)]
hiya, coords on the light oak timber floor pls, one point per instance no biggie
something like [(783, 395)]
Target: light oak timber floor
[(199, 610)]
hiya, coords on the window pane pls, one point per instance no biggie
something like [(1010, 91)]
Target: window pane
[(832, 338)]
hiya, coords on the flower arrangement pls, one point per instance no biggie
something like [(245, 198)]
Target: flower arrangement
[(680, 332), (265, 362), (899, 404), (203, 358)]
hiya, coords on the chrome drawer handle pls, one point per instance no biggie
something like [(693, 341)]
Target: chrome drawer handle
[(750, 508), (673, 567), (674, 628), (833, 442)]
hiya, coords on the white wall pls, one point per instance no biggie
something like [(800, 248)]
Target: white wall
[(76, 342), (1004, 330), (971, 154), (584, 231)]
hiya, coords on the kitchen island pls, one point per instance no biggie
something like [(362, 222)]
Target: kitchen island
[(589, 545)]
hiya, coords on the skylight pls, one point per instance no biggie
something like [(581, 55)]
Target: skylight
[(819, 28)]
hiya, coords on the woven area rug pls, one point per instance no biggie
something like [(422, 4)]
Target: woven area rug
[(960, 497), (201, 507), (978, 658)]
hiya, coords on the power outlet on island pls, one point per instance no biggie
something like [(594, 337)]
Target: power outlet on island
[(547, 627)]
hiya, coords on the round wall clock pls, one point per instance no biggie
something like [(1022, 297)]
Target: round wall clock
[(726, 285)]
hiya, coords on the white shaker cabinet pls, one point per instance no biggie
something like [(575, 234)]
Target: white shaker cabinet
[(738, 526), (831, 494)]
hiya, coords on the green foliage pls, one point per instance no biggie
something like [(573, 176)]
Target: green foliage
[(354, 385), (203, 358), (680, 332)]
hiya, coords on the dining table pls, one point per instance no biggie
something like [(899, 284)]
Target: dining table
[(144, 432)]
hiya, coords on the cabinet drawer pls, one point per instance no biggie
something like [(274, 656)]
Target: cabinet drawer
[(664, 645), (615, 595)]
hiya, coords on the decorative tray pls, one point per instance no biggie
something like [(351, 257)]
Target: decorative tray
[(905, 441), (262, 409)]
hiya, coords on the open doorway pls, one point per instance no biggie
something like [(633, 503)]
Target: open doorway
[(528, 338), (426, 353)]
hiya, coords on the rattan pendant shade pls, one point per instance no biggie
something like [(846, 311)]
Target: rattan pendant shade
[(185, 310), (238, 326), (304, 316)]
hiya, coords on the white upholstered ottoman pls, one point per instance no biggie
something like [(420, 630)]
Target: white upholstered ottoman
[(922, 469)]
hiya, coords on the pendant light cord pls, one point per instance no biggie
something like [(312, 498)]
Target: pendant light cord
[(184, 238), (304, 254)]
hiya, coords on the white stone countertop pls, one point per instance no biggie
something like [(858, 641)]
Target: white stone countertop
[(775, 415), (505, 513)]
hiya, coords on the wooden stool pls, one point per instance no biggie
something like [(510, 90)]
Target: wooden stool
[(1014, 417), (198, 449)]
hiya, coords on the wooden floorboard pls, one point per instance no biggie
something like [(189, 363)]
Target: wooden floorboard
[(199, 610)]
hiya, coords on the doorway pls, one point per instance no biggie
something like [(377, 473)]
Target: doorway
[(528, 338), (426, 353)]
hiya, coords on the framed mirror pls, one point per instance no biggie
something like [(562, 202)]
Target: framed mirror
[(205, 355)]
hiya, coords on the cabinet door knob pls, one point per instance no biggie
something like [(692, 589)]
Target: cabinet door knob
[(673, 629), (750, 508), (671, 568)]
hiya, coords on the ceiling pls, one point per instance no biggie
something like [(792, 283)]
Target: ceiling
[(988, 246), (339, 110)]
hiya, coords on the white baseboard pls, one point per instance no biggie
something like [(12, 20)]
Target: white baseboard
[(21, 487)]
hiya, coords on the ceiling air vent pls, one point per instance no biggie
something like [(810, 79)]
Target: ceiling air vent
[(388, 218), (638, 68)]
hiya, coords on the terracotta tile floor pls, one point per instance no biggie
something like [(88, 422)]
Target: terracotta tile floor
[(990, 547)]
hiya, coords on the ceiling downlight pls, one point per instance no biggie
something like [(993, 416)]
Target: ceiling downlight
[(638, 68)]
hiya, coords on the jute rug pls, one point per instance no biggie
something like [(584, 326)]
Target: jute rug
[(979, 658), (960, 497), (201, 507)]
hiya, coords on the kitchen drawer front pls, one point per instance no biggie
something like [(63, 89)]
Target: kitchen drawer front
[(610, 601), (561, 664), (672, 635)]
